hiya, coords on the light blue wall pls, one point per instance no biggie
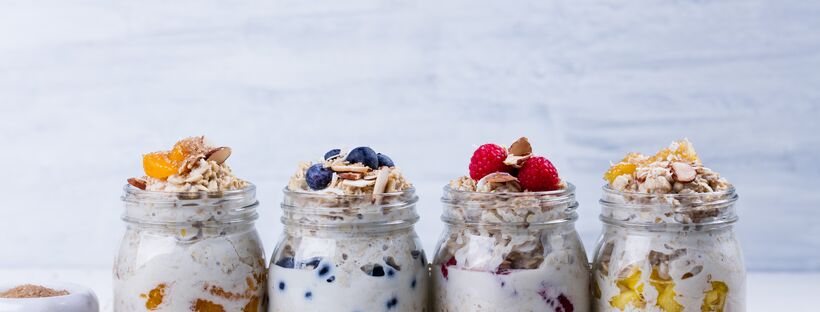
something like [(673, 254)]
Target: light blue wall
[(86, 87)]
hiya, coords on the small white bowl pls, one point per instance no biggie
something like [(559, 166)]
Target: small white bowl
[(79, 299)]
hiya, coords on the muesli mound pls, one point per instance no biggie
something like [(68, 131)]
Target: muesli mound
[(32, 291), (192, 165), (361, 171), (676, 169)]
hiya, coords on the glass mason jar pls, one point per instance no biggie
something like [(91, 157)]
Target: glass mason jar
[(510, 252), (195, 251), (348, 253), (674, 252)]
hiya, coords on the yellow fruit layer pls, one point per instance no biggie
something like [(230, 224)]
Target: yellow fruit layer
[(631, 292), (666, 292), (715, 299)]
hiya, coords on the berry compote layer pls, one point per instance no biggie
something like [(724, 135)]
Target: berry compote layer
[(349, 243), (510, 242)]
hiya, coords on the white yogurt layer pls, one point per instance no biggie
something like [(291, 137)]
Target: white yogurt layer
[(190, 269), (544, 289), (689, 263), (341, 272)]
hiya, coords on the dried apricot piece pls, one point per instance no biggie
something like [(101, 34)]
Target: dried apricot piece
[(159, 165), (628, 165)]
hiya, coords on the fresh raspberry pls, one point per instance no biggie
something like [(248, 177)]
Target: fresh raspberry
[(537, 174), (487, 159)]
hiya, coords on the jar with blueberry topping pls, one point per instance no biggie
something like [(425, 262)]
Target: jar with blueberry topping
[(348, 253), (510, 251)]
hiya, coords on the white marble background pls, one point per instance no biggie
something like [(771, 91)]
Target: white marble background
[(87, 86)]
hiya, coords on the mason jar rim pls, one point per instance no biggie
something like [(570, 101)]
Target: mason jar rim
[(372, 211), (567, 191), (176, 208), (668, 211), (474, 212)]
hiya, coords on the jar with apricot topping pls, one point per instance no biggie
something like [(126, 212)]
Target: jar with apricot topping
[(668, 242), (190, 252), (190, 242)]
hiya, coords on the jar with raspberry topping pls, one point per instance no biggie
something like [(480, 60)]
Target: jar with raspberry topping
[(349, 253), (668, 252), (510, 251)]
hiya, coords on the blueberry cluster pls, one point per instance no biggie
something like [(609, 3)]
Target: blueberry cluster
[(318, 176)]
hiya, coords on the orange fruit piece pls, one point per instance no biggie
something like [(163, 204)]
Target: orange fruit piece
[(159, 165)]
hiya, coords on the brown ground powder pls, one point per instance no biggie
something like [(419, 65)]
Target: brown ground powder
[(32, 291)]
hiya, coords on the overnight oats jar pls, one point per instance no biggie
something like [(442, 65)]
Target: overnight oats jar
[(349, 242), (668, 242), (190, 242), (510, 242)]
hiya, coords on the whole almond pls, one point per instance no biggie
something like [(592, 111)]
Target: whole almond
[(683, 172), (219, 154), (520, 147), (138, 183)]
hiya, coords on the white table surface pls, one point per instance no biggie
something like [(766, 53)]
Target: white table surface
[(767, 291)]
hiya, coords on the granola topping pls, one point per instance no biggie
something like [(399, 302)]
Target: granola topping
[(359, 172), (676, 169), (192, 165)]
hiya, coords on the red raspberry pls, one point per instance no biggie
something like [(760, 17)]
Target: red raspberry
[(487, 159), (537, 174)]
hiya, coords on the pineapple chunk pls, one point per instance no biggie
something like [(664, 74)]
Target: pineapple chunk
[(666, 292), (626, 297), (715, 299), (631, 291)]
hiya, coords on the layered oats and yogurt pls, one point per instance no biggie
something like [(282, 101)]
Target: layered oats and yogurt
[(190, 244), (349, 243), (510, 242), (668, 243)]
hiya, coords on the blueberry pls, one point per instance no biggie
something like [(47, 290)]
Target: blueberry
[(332, 153), (390, 272), (392, 303), (384, 160), (364, 155), (331, 279), (373, 269), (281, 285), (286, 262), (324, 270), (413, 284), (318, 177), (308, 295)]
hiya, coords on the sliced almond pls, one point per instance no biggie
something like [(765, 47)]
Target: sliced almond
[(350, 175), (358, 183), (683, 172), (495, 177), (520, 147), (350, 168), (516, 161), (219, 154), (381, 181), (138, 183), (370, 175)]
